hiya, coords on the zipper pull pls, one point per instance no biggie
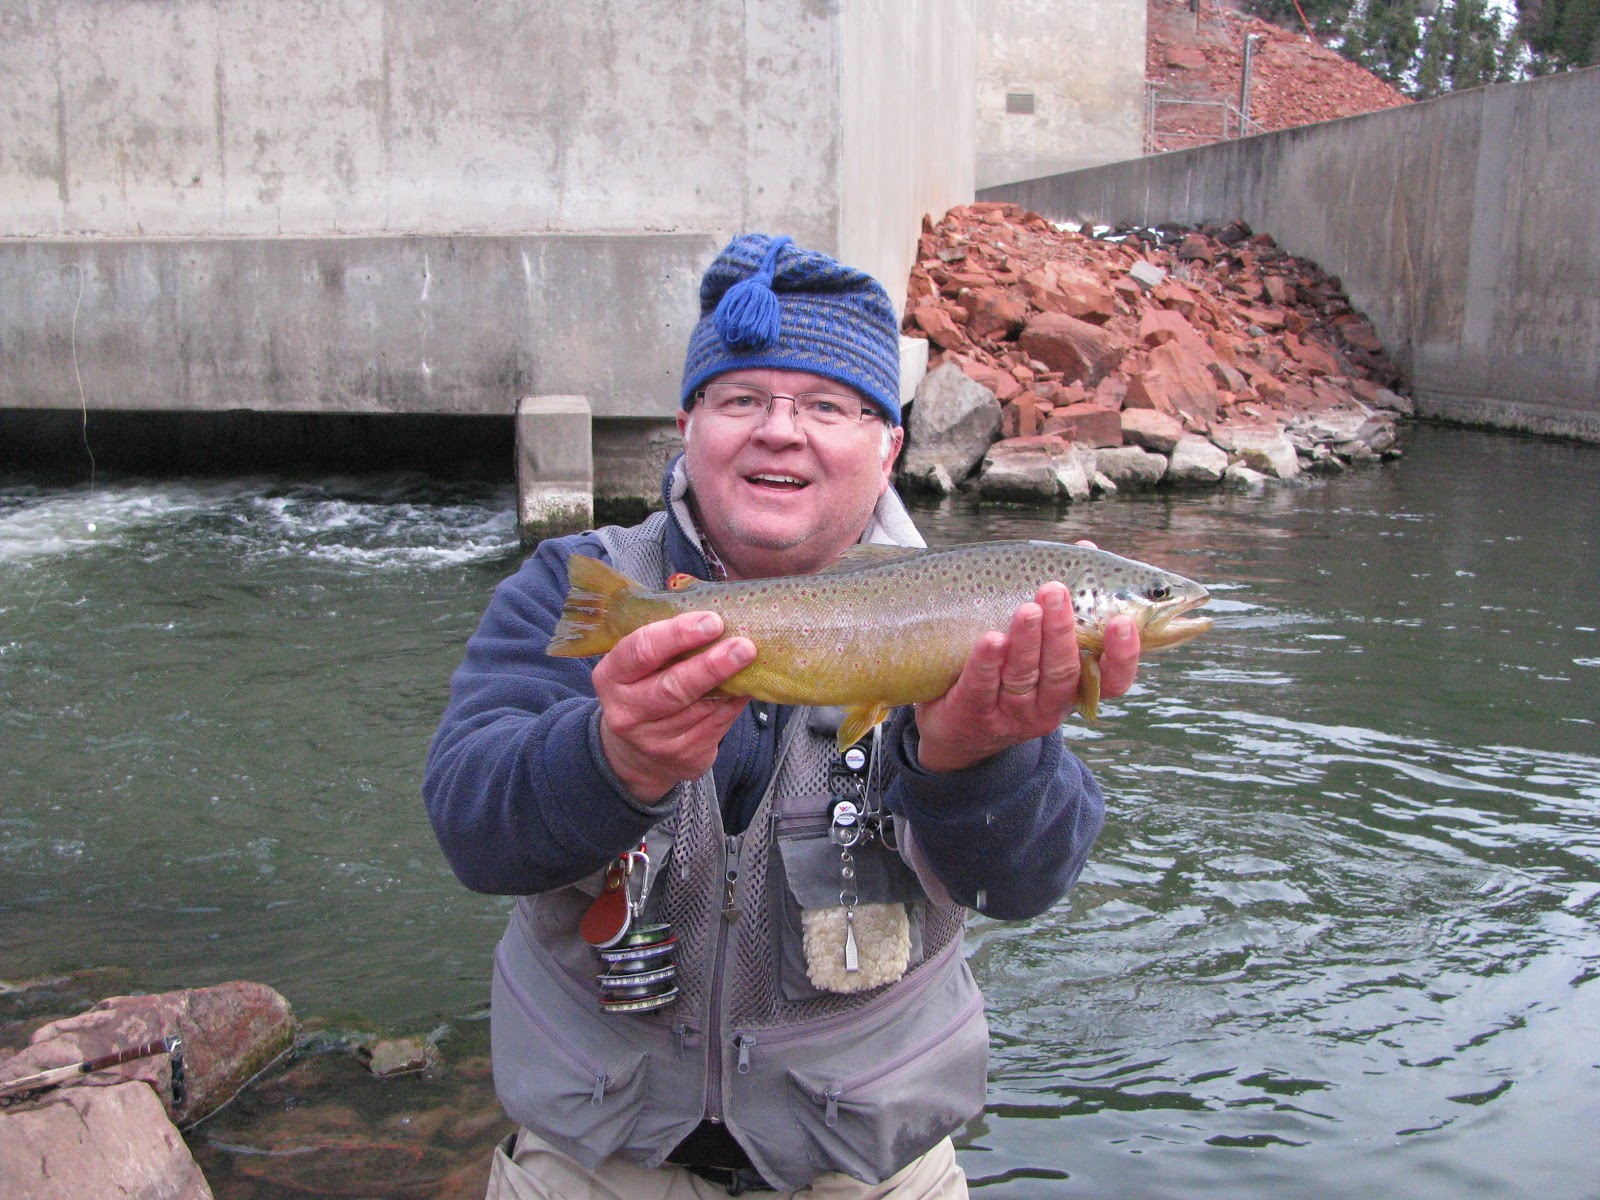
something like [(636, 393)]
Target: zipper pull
[(743, 1042), (730, 911), (682, 1032), (831, 1116), (599, 1088)]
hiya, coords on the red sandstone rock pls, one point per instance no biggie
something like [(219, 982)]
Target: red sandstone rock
[(1111, 391), (1186, 58), (1159, 325), (1086, 424), (229, 1033), (1174, 381), (82, 1143), (1151, 430), (941, 330), (1077, 293), (1269, 319), (1359, 334), (1312, 356), (994, 313), (1078, 350)]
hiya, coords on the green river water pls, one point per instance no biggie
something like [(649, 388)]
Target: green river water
[(1340, 937)]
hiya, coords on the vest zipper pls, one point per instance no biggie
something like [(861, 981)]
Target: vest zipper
[(730, 874)]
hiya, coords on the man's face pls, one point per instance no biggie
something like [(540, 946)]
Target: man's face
[(779, 498)]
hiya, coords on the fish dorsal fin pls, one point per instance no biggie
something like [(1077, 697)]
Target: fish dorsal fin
[(868, 555)]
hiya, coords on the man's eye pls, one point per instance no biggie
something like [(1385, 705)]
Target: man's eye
[(740, 400), (823, 407)]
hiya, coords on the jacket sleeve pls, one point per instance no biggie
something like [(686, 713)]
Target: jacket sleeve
[(1006, 837), (519, 792)]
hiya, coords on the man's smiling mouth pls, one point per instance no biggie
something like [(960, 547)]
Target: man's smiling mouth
[(782, 483)]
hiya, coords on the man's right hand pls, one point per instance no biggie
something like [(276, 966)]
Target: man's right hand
[(658, 725)]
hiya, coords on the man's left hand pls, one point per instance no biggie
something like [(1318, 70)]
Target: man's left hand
[(1021, 684)]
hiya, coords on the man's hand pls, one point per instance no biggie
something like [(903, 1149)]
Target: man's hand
[(1020, 684), (658, 725)]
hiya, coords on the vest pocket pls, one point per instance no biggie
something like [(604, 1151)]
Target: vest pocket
[(875, 1106), (556, 1069), (805, 877)]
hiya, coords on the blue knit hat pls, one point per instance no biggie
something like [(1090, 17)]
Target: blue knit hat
[(765, 302)]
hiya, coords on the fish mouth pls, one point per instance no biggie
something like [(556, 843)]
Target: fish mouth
[(1171, 623)]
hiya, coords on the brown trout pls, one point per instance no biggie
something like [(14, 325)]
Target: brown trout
[(886, 625)]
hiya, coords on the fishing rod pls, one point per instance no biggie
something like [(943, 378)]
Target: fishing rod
[(42, 1080)]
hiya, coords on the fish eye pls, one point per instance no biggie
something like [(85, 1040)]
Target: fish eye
[(1159, 591)]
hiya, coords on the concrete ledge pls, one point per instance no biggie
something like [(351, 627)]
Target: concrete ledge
[(1546, 420), (453, 324)]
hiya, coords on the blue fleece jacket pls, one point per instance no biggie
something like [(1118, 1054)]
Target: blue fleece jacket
[(523, 800)]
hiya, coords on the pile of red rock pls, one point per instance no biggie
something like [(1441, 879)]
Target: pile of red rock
[(1211, 348), (1294, 80)]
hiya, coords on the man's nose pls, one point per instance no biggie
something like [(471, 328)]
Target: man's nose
[(782, 422)]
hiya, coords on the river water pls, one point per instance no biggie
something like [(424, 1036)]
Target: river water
[(1340, 937)]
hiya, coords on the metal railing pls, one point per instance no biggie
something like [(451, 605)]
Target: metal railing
[(1228, 123)]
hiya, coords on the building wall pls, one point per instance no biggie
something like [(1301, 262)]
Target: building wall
[(1082, 62), (1466, 228), (401, 206)]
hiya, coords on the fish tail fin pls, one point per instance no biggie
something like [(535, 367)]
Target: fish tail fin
[(1089, 685), (858, 722), (585, 627)]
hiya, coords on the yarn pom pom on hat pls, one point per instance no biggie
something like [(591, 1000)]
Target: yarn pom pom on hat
[(766, 302)]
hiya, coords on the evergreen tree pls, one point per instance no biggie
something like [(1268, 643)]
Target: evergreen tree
[(1560, 34), (1462, 46), (1429, 47), (1384, 37)]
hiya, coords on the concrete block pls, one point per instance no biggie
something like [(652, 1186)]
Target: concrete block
[(913, 367), (555, 466)]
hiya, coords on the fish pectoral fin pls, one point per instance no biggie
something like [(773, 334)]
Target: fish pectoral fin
[(858, 722), (868, 554), (677, 581), (1089, 684)]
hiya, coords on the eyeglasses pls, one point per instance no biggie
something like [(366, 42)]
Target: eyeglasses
[(746, 402)]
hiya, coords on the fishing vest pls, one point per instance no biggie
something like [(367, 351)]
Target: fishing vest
[(807, 1080)]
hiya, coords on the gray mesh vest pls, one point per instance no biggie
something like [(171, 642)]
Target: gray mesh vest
[(808, 1081)]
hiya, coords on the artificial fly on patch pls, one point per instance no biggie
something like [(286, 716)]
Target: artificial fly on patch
[(886, 625)]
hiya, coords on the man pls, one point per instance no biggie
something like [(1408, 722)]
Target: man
[(821, 1030)]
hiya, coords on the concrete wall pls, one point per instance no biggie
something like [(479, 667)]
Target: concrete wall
[(1467, 228), (401, 206), (1082, 62)]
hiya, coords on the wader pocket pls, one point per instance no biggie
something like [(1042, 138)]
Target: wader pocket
[(894, 1090), (807, 910), (559, 1068)]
